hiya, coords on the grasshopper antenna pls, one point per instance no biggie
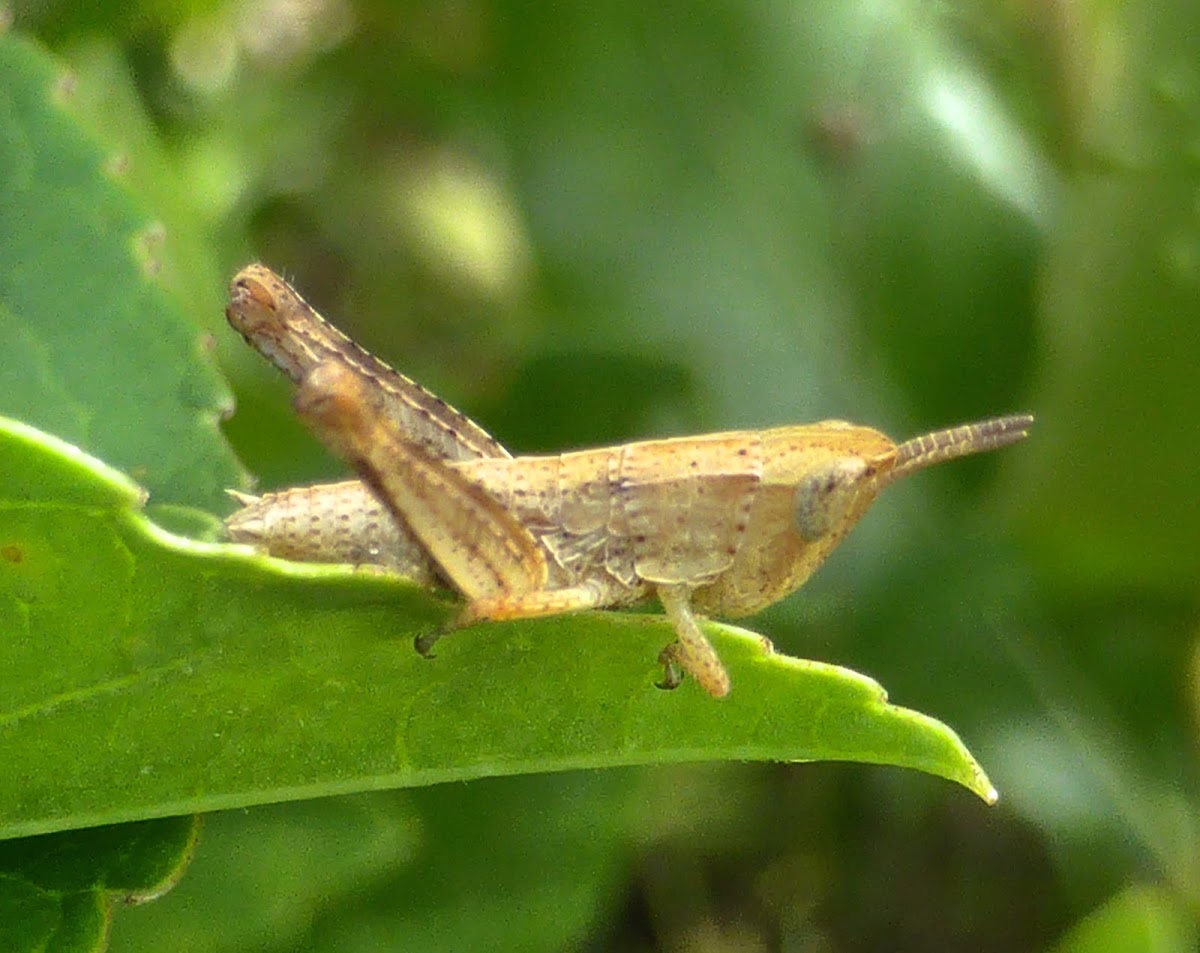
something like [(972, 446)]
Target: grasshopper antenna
[(928, 449)]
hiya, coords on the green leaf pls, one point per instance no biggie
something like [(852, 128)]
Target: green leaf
[(147, 675), (264, 876), (107, 102), (96, 350), (1141, 917), (57, 890), (308, 875)]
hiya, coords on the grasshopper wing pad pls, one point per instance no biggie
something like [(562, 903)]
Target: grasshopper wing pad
[(682, 505), (563, 501), (578, 542), (482, 547)]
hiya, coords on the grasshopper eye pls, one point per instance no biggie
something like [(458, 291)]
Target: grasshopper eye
[(823, 497)]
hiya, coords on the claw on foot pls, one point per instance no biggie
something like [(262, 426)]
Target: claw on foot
[(672, 673), (425, 642)]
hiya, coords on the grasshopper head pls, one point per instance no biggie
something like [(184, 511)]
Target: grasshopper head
[(833, 494)]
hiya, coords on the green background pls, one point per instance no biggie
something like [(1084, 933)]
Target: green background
[(590, 223)]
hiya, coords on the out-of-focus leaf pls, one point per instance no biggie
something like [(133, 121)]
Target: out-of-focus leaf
[(266, 876), (403, 870), (95, 350), (57, 890), (1141, 918), (1108, 500), (105, 101)]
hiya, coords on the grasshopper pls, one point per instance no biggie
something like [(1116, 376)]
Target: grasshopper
[(721, 524)]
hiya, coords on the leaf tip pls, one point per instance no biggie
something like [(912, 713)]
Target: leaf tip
[(177, 867), (977, 781)]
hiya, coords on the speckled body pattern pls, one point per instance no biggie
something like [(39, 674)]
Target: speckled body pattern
[(724, 523), (711, 512)]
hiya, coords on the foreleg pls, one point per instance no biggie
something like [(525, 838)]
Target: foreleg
[(691, 652)]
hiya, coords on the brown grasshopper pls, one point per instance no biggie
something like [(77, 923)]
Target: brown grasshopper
[(722, 524)]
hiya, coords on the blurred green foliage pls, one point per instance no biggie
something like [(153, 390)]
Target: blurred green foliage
[(598, 222)]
